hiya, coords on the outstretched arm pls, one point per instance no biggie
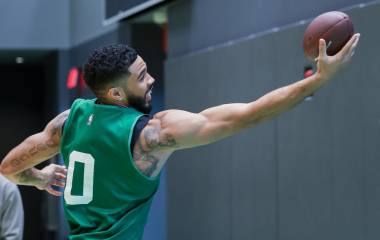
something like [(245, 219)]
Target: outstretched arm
[(18, 164), (175, 129)]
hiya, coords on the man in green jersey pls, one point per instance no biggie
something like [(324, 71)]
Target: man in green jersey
[(114, 152)]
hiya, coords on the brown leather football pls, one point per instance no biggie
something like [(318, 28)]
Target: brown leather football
[(335, 28)]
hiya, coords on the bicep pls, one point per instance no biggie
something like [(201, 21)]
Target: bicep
[(181, 129)]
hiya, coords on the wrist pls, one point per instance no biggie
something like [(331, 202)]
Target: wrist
[(37, 177), (31, 177), (322, 78)]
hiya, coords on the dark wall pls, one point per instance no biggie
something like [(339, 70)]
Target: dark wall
[(198, 24), (22, 114), (310, 174)]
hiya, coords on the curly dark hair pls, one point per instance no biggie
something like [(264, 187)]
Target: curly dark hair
[(107, 64)]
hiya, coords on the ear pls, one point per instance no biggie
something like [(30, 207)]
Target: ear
[(116, 93)]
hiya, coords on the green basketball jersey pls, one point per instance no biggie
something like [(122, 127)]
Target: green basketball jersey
[(106, 196)]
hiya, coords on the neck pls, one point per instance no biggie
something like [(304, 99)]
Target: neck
[(111, 102)]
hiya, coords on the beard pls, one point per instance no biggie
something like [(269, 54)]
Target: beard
[(139, 103)]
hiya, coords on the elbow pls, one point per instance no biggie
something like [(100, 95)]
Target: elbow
[(2, 169), (11, 177), (6, 171)]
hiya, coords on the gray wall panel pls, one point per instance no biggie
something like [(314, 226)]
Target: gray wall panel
[(44, 24), (86, 21), (303, 151), (32, 24), (219, 179), (198, 24), (365, 85), (253, 161), (311, 174), (203, 181)]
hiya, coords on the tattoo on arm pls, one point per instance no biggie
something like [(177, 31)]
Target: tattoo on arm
[(24, 176), (153, 139), (28, 177), (45, 144), (145, 161), (32, 152)]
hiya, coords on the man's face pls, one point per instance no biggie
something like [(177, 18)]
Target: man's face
[(139, 87)]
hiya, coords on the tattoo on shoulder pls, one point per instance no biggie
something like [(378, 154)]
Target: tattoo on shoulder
[(154, 138), (145, 161), (58, 123), (145, 157)]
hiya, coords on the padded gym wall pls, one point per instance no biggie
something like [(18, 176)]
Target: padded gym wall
[(33, 24), (44, 24), (198, 24), (310, 174), (86, 21)]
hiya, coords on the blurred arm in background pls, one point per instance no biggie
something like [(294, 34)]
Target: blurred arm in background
[(11, 211)]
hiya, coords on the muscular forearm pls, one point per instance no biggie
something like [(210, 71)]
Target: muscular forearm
[(282, 99), (51, 175), (219, 122), (35, 149), (30, 177), (29, 153)]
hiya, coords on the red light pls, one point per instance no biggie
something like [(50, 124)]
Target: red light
[(308, 73), (72, 78)]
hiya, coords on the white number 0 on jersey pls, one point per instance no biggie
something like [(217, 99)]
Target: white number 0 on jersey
[(88, 180)]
